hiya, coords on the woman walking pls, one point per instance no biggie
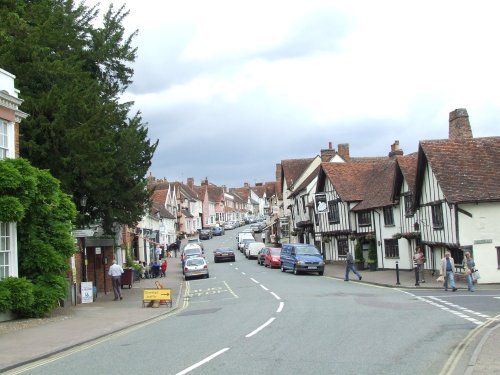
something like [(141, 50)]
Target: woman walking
[(469, 265)]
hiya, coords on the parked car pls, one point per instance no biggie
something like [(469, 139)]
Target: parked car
[(196, 266), (191, 250), (205, 234), (260, 256), (195, 241), (217, 231), (244, 242), (229, 225), (242, 236), (224, 253), (253, 249), (299, 258), (272, 257), (255, 227)]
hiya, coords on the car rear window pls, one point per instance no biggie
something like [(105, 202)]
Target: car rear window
[(195, 262), (275, 251), (192, 251)]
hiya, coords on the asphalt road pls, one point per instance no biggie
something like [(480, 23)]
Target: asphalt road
[(247, 319)]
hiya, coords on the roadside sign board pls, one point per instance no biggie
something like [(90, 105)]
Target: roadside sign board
[(83, 233), (87, 292), (157, 294)]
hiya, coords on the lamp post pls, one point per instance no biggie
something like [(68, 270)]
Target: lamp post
[(83, 204)]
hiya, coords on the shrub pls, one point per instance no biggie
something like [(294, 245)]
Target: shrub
[(4, 297), (358, 253), (21, 294)]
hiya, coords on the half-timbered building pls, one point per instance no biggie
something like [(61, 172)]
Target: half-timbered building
[(459, 196)]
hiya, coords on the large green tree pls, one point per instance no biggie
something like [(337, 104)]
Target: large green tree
[(71, 73)]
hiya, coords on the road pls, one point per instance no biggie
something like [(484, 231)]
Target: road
[(247, 319)]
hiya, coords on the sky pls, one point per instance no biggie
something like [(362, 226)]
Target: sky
[(232, 87)]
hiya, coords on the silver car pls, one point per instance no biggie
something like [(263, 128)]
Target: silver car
[(196, 266)]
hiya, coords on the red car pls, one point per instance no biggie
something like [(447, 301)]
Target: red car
[(272, 257)]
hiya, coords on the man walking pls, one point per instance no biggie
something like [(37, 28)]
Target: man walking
[(116, 271), (448, 271), (177, 246), (349, 266)]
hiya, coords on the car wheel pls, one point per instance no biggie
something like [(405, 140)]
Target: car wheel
[(207, 276), (282, 268), (215, 260), (186, 278), (295, 270), (234, 259), (320, 273)]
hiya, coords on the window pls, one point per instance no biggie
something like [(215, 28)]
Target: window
[(343, 246), (364, 218), (391, 248), (333, 212), (4, 141), (437, 216), (4, 250), (304, 203), (408, 204), (284, 229), (498, 257), (388, 216)]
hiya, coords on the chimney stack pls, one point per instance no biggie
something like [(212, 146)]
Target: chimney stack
[(278, 176), (459, 125), (395, 150), (205, 181), (344, 151), (327, 154), (246, 184), (190, 182)]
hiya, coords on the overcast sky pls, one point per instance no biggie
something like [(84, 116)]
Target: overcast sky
[(232, 87)]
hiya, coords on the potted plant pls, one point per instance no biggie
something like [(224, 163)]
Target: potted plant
[(358, 256), (372, 256)]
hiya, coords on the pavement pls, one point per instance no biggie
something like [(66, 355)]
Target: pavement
[(73, 326)]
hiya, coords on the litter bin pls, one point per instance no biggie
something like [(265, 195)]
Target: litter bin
[(128, 277)]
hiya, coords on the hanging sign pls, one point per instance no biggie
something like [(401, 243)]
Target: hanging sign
[(320, 202)]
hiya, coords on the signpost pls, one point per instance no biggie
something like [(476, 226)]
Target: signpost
[(164, 296), (87, 292)]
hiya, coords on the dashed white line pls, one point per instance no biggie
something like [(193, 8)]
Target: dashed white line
[(260, 328), (280, 308), (275, 296), (243, 273), (442, 306), (263, 287), (196, 365), (255, 281)]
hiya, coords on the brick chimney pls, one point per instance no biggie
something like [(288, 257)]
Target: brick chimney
[(327, 154), (246, 184), (278, 176), (190, 182), (344, 151), (395, 150), (459, 125), (204, 182)]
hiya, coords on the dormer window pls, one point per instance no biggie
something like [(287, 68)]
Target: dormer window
[(408, 199), (364, 218)]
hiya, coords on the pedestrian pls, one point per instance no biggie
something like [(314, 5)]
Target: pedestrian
[(349, 266), (263, 236), (419, 260), (116, 271), (469, 265), (163, 268), (177, 246), (448, 271)]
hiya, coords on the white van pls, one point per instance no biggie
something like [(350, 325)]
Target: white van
[(253, 249)]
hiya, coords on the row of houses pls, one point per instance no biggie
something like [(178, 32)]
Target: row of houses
[(444, 197)]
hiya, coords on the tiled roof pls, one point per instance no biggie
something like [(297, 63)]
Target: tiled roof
[(186, 191), (306, 182), (293, 169), (466, 170), (259, 190), (270, 188), (349, 179), (158, 207), (379, 185), (408, 166), (187, 214), (160, 196), (242, 193)]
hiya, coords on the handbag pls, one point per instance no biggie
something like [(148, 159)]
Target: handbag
[(476, 275)]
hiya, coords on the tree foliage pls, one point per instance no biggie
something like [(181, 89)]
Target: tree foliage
[(70, 74), (45, 242)]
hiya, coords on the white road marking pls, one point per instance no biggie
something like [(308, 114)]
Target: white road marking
[(447, 309), (275, 296), (196, 365), (263, 287), (280, 308), (255, 281), (260, 328), (243, 273)]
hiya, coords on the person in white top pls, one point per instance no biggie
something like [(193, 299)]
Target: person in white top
[(116, 271)]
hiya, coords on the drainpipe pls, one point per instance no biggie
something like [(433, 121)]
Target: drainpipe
[(380, 236)]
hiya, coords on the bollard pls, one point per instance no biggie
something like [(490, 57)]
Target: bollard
[(397, 274)]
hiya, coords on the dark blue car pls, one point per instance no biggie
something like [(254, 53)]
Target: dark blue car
[(217, 231)]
